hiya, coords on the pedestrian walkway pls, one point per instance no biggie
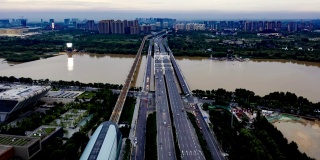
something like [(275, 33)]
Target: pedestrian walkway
[(134, 120)]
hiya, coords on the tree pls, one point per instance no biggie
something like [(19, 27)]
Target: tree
[(205, 106)]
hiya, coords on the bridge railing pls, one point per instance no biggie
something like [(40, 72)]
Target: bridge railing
[(116, 113)]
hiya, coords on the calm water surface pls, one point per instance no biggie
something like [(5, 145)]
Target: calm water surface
[(260, 76), (85, 68)]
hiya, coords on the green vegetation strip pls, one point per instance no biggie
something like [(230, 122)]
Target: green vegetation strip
[(176, 146), (262, 142), (127, 114), (151, 137), (126, 155), (86, 95), (203, 143)]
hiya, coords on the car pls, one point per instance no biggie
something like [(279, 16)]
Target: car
[(169, 154)]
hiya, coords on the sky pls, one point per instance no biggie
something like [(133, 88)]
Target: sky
[(181, 9)]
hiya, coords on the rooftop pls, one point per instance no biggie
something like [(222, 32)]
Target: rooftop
[(44, 131), (19, 92), (12, 140)]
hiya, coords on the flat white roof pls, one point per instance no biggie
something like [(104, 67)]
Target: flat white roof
[(18, 92)]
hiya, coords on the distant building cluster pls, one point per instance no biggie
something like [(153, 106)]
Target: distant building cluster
[(158, 22), (148, 25), (118, 27), (255, 26), (14, 22), (189, 26)]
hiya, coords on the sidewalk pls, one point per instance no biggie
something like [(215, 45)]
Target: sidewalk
[(134, 120)]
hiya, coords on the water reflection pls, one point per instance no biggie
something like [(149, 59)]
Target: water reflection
[(70, 64), (260, 76)]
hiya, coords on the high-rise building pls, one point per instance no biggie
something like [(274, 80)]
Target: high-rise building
[(146, 29), (279, 26), (241, 25), (90, 25), (118, 27), (135, 23), (23, 22), (67, 21), (125, 23), (260, 26), (292, 27), (104, 27), (231, 24)]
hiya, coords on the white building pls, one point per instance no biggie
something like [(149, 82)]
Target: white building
[(15, 97), (105, 143)]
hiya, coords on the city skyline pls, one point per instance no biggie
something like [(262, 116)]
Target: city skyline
[(205, 9)]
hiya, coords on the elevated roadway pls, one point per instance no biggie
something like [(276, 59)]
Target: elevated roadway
[(212, 143), (165, 143), (140, 134), (115, 116)]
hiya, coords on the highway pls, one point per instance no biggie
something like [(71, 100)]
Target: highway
[(165, 144), (187, 139), (211, 141), (140, 134), (208, 136), (188, 142)]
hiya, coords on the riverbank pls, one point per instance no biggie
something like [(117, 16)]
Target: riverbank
[(304, 132)]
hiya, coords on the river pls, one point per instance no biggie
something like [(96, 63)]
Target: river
[(304, 132), (80, 67), (260, 76)]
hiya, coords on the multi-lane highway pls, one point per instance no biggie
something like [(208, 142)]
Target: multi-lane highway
[(166, 73), (165, 142), (187, 140), (211, 141), (140, 134)]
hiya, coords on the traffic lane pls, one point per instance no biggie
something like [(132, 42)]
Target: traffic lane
[(140, 130), (141, 121), (185, 141), (185, 126), (163, 137), (213, 146)]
